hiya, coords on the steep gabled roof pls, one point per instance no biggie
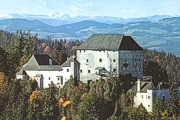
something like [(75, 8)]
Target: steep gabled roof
[(67, 63), (144, 86), (43, 59), (37, 62), (109, 42)]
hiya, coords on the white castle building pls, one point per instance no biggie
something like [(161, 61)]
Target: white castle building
[(45, 70), (109, 54), (147, 93), (101, 55)]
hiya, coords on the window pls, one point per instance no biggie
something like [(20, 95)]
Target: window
[(125, 60), (148, 105), (86, 60), (142, 96), (148, 97), (100, 60), (49, 78), (84, 50), (114, 60), (61, 81), (80, 51), (135, 60), (67, 70), (163, 98), (41, 83), (89, 71), (80, 71), (114, 70)]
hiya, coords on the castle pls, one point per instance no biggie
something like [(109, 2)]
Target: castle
[(101, 55)]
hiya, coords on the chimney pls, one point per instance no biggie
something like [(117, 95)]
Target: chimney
[(138, 85), (50, 62)]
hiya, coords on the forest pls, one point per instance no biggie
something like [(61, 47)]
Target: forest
[(99, 100)]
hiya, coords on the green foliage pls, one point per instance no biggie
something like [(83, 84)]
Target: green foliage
[(152, 68), (69, 85), (113, 118), (59, 53), (75, 98), (3, 61), (14, 108), (20, 50), (35, 110), (89, 107), (139, 113), (171, 107), (169, 64), (157, 109), (50, 106)]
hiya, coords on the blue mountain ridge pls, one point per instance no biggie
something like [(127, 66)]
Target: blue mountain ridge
[(161, 35)]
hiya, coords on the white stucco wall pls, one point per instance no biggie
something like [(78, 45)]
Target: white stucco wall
[(89, 60), (22, 77), (49, 76), (148, 99), (111, 60), (144, 98)]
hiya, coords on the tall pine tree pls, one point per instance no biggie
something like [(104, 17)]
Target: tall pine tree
[(59, 53)]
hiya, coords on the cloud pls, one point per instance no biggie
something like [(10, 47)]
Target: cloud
[(82, 5)]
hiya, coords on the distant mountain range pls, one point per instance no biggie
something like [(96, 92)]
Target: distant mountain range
[(57, 19), (154, 32)]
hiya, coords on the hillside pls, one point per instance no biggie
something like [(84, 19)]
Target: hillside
[(161, 35)]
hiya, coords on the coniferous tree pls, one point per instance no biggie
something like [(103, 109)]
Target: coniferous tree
[(59, 53), (3, 61), (89, 107), (139, 113), (157, 109), (171, 107), (13, 91), (50, 106), (19, 52)]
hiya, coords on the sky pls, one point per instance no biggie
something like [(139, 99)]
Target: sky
[(113, 8)]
